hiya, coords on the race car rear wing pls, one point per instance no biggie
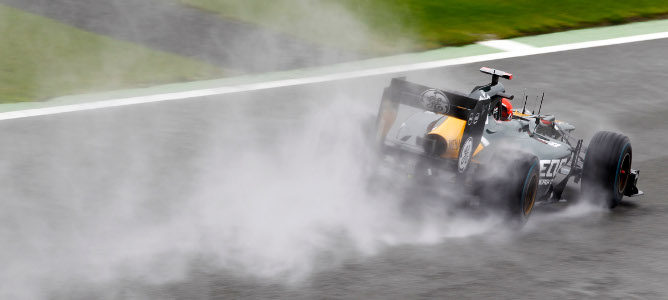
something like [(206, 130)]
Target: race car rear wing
[(434, 100), (474, 111)]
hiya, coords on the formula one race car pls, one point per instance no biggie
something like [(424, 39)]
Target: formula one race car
[(510, 159)]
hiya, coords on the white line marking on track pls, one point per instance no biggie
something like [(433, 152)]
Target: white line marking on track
[(322, 78), (506, 45)]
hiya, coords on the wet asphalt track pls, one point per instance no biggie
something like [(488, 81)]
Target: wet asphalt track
[(59, 170)]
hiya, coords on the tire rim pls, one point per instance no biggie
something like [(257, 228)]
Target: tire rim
[(465, 155), (624, 172), (530, 198)]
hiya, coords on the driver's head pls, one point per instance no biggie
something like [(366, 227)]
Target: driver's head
[(506, 110)]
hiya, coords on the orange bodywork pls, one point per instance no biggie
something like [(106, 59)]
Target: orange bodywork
[(452, 130)]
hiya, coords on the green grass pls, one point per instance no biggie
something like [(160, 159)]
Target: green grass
[(392, 26), (41, 58)]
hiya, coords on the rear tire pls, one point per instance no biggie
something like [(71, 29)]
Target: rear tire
[(509, 184), (606, 168)]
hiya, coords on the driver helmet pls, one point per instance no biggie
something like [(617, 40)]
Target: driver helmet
[(506, 110)]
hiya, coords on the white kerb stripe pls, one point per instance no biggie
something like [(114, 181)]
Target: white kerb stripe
[(506, 45), (323, 78)]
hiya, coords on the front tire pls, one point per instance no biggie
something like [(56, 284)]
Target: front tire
[(606, 169)]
